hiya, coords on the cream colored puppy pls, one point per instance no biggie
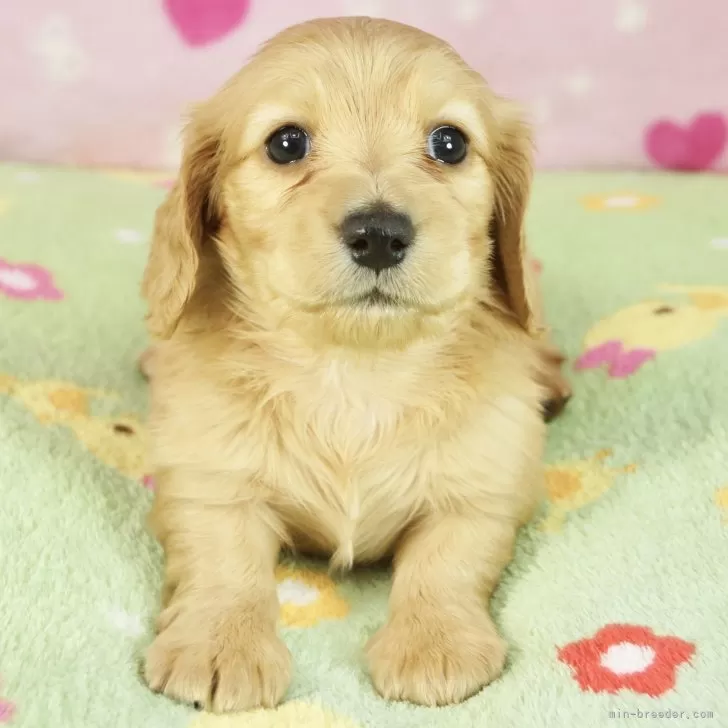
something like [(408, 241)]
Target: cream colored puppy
[(346, 362)]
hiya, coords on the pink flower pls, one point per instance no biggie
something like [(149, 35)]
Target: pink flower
[(622, 362), (27, 282), (7, 710), (148, 482), (625, 656)]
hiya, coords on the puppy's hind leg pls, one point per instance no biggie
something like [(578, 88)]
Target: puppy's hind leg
[(557, 386)]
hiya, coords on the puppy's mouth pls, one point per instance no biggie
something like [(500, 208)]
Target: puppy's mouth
[(373, 298), (376, 297)]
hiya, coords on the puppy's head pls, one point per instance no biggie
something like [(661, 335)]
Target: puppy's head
[(355, 180)]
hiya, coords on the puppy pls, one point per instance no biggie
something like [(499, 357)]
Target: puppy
[(347, 360)]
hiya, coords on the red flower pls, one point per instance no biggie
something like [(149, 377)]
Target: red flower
[(625, 656)]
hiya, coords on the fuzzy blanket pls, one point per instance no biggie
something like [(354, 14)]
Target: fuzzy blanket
[(615, 607)]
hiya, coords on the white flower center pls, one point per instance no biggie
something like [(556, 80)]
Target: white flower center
[(128, 236), (627, 658), (622, 201), (17, 279), (130, 624), (295, 592)]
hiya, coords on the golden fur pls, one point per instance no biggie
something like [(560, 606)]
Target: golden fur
[(285, 414)]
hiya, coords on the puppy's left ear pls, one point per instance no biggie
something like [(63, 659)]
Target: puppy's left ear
[(512, 170), (512, 273)]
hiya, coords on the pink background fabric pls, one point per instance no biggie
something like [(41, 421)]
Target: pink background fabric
[(610, 84)]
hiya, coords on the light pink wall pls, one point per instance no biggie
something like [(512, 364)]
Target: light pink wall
[(104, 82)]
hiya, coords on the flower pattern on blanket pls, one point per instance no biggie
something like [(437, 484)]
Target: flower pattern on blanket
[(629, 338), (619, 202), (668, 417), (163, 180), (570, 486), (308, 597), (27, 282), (295, 714), (118, 441), (626, 657), (7, 710), (721, 500)]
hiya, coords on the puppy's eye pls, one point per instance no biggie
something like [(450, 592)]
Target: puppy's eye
[(288, 144), (447, 144)]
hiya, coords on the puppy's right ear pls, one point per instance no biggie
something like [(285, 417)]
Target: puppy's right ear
[(183, 224)]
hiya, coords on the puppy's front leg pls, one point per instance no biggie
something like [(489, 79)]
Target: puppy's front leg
[(440, 645), (217, 644)]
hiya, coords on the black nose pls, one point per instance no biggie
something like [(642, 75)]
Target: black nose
[(377, 238)]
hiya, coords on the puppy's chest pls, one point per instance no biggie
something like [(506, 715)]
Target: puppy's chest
[(347, 411), (346, 459)]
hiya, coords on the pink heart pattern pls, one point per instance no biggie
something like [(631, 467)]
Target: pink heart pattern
[(695, 147), (201, 22)]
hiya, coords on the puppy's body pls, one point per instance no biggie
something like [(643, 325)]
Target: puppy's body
[(301, 399), (350, 447)]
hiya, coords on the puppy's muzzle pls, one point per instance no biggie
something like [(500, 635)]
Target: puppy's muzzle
[(377, 238)]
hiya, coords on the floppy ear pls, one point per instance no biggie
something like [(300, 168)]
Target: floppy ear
[(512, 173), (183, 225), (513, 273)]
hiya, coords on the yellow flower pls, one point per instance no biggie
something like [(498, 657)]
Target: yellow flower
[(307, 597), (573, 485), (721, 500), (158, 179), (290, 715), (619, 201)]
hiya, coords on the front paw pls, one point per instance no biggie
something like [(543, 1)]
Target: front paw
[(432, 658), (221, 663)]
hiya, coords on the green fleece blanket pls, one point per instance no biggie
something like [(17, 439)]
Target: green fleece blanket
[(616, 607)]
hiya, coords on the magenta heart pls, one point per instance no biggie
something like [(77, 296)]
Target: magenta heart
[(200, 22), (692, 148)]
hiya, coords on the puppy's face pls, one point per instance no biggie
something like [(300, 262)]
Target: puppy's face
[(352, 173)]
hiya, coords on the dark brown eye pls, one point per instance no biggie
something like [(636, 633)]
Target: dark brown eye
[(662, 310), (123, 429), (288, 144), (447, 144)]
